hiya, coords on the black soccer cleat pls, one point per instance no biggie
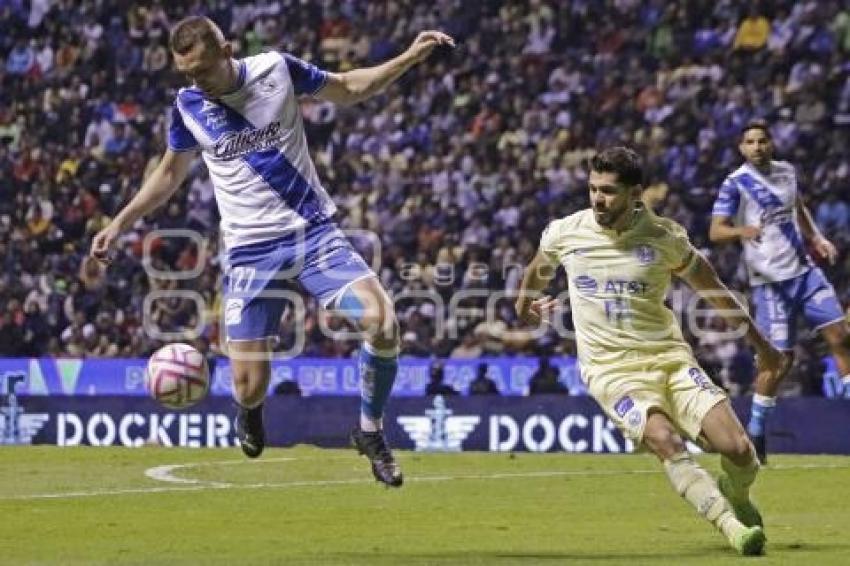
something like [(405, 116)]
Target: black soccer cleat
[(761, 449), (250, 431), (373, 445)]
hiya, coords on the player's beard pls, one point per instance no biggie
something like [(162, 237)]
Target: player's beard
[(608, 217), (761, 160)]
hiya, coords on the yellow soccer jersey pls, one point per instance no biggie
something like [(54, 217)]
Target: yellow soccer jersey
[(618, 284)]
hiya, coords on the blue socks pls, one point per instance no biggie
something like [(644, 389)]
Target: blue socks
[(761, 409), (378, 369)]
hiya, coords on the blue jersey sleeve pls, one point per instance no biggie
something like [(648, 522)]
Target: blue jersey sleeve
[(306, 77), (179, 136), (728, 199)]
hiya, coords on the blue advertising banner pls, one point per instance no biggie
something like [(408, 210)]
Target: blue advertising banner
[(539, 423), (315, 376)]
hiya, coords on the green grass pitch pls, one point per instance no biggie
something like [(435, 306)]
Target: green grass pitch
[(311, 506)]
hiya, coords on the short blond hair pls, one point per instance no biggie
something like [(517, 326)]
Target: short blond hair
[(190, 31)]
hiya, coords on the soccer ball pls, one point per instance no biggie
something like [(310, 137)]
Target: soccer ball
[(177, 376)]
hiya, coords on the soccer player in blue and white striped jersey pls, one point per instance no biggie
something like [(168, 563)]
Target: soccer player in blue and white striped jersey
[(760, 205), (276, 217)]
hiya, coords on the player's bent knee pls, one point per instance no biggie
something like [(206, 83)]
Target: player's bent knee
[(739, 448), (381, 324), (664, 442)]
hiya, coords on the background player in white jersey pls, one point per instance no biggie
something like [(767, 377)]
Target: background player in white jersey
[(243, 115), (619, 258), (760, 205)]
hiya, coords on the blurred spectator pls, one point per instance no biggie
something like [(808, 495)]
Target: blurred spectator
[(807, 371), (833, 215), (482, 385), (155, 57), (456, 169), (436, 386), (21, 60), (118, 143), (841, 28), (753, 32), (741, 372), (468, 348), (288, 387), (412, 345), (546, 380), (11, 335)]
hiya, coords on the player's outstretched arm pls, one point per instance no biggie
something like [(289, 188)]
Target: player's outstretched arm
[(359, 84), (531, 307), (823, 247), (722, 231), (156, 190), (702, 278)]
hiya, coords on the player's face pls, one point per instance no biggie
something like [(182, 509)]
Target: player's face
[(756, 147), (611, 200), (208, 67)]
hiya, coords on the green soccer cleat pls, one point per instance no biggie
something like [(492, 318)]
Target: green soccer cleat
[(744, 510), (750, 542)]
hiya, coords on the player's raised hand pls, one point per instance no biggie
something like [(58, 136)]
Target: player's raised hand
[(102, 243), (825, 249), (536, 311), (426, 41)]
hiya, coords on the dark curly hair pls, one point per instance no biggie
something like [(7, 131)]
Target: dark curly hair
[(622, 161)]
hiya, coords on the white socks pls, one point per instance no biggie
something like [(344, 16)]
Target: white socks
[(370, 425), (700, 490)]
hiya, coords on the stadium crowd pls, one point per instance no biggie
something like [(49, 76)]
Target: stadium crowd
[(457, 168)]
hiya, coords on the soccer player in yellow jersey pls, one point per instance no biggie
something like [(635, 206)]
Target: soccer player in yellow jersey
[(619, 259)]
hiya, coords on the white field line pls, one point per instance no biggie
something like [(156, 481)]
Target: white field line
[(163, 473)]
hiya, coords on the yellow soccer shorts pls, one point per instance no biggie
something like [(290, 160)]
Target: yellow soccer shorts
[(674, 385)]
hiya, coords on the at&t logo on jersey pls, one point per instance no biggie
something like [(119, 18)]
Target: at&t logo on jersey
[(586, 285), (626, 286)]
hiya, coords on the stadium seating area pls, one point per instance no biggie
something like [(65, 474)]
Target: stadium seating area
[(457, 168)]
